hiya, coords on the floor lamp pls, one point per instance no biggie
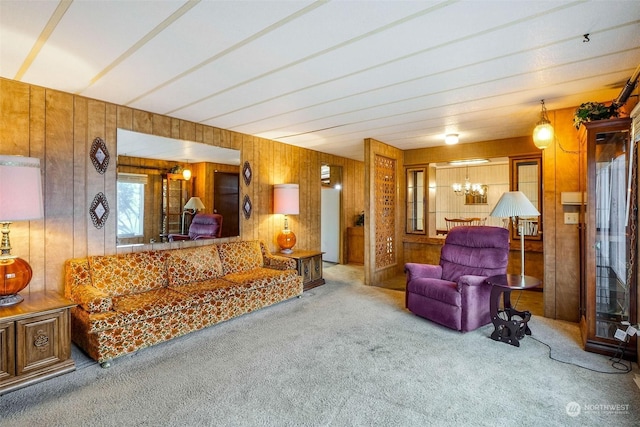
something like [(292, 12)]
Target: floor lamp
[(20, 200), (514, 204)]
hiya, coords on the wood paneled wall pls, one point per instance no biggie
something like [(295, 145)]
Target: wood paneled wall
[(58, 128)]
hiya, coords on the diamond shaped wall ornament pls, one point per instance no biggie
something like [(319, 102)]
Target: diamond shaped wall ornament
[(246, 173), (246, 206), (99, 210), (99, 155)]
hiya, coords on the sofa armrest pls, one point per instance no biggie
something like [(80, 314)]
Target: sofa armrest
[(92, 299), (275, 261), (429, 271), (280, 262)]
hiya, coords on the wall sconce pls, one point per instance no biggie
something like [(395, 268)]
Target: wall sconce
[(286, 201), (20, 200), (543, 132)]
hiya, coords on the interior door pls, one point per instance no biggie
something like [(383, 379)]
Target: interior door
[(226, 189), (330, 224)]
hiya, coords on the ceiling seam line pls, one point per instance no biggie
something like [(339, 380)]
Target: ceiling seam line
[(378, 88), (451, 104), (413, 98), (48, 29), (143, 41), (373, 32), (319, 53), (230, 49)]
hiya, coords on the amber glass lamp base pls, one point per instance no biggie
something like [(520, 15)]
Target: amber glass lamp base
[(286, 241), (15, 275)]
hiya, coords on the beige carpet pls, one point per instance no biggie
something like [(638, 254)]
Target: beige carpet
[(342, 355)]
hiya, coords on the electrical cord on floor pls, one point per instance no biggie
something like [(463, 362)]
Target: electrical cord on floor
[(617, 364)]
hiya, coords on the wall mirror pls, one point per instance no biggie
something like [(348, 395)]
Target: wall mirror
[(436, 192), (152, 189), (526, 176)]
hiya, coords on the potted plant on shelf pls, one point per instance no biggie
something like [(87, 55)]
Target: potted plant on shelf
[(590, 111)]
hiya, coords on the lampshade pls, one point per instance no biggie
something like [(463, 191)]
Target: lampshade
[(20, 200), (543, 132), (186, 174), (512, 204), (286, 199), (20, 189), (194, 203)]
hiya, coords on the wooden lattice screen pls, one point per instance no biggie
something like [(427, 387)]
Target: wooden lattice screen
[(385, 211)]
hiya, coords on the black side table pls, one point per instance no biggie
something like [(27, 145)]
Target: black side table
[(512, 329)]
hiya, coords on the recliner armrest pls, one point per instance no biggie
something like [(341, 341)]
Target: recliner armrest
[(177, 237), (205, 236), (471, 280), (415, 270)]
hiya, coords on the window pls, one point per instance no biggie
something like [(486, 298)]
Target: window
[(131, 204)]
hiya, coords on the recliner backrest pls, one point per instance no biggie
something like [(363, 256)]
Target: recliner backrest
[(475, 250), (205, 225)]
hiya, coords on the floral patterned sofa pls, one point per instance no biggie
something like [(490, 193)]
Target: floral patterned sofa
[(132, 301)]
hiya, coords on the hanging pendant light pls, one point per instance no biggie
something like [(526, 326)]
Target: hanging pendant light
[(543, 132), (186, 172)]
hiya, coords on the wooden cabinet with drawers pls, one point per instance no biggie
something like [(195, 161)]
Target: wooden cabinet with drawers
[(309, 265), (35, 340)]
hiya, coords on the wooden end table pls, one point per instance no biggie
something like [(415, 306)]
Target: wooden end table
[(35, 340), (309, 266), (512, 329)]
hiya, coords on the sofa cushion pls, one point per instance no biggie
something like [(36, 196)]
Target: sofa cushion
[(129, 273), (240, 256), (146, 305), (190, 265), (208, 290)]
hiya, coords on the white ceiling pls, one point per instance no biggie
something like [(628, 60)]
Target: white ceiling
[(325, 75)]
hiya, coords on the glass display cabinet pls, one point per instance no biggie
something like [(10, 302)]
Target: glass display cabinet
[(608, 234)]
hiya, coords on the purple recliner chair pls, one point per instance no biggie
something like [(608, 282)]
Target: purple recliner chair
[(455, 293), (203, 226)]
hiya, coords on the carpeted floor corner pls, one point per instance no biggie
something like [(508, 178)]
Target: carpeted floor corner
[(342, 355)]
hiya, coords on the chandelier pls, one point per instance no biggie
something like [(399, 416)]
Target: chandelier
[(468, 189)]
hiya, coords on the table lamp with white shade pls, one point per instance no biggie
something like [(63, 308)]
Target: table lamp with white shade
[(286, 201), (20, 200)]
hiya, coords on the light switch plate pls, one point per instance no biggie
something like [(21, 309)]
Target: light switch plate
[(571, 217)]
